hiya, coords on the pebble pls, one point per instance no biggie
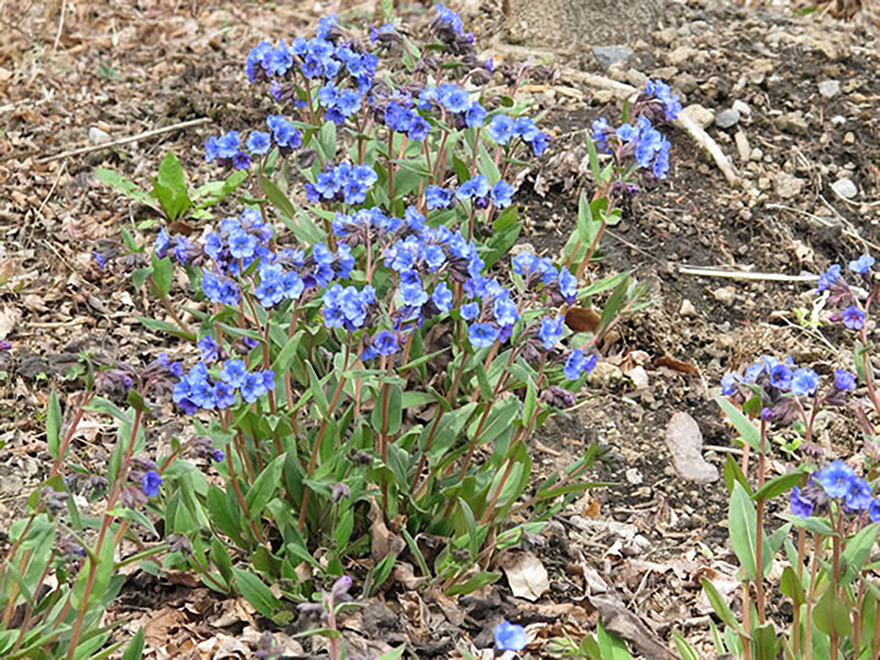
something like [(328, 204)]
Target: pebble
[(727, 118), (634, 477), (788, 185), (683, 55), (742, 108), (685, 442), (687, 308), (742, 146), (97, 136), (608, 55), (605, 374), (829, 88), (639, 377), (845, 188), (849, 138), (701, 116), (724, 295)]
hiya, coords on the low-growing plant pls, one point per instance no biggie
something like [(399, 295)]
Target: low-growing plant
[(830, 580), (367, 381)]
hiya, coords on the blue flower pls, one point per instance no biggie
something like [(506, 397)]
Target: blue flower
[(442, 297), (853, 318), (505, 310), (551, 332), (349, 102), (874, 511), (661, 164), (828, 278), (224, 395), (151, 482), (470, 311), (858, 495), (501, 194), (835, 479), (209, 349), (476, 186), (844, 380), (228, 145), (483, 335), (385, 343), (253, 387), (241, 161), (475, 115), (418, 129), (577, 364), (567, 285), (804, 382), (501, 129), (601, 130), (780, 376), (510, 637), (661, 91), (438, 198), (800, 505), (234, 372), (728, 384), (259, 142), (163, 242), (862, 265), (242, 245)]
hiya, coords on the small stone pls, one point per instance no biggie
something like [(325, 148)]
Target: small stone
[(849, 138), (724, 295), (522, 248), (742, 146), (829, 88), (727, 118), (687, 309), (97, 136), (838, 120), (701, 116), (756, 154), (742, 108), (788, 185), (608, 55), (793, 122), (682, 55), (634, 477), (605, 374), (845, 188), (685, 441), (639, 377)]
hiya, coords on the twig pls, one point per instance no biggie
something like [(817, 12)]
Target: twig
[(133, 138), (685, 269), (702, 138), (54, 185), (60, 26)]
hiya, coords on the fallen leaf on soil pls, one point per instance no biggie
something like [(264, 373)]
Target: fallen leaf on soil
[(685, 441), (677, 365), (384, 542), (621, 622), (9, 316), (159, 627), (526, 576)]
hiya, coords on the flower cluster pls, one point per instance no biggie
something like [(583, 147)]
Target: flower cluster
[(504, 130), (781, 383), (342, 183), (837, 481), (842, 297), (227, 149), (640, 140), (200, 390)]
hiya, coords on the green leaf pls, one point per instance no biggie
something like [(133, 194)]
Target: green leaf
[(792, 587), (471, 524), (394, 654), (265, 487), (733, 474), (327, 141), (779, 485), (317, 390), (54, 423), (256, 592), (685, 650), (719, 604), (278, 199), (858, 548), (832, 613), (222, 515), (220, 556), (123, 185), (478, 581), (163, 275), (744, 426), (394, 418), (135, 649), (610, 647), (170, 188), (742, 527), (530, 405), (812, 524), (164, 326)]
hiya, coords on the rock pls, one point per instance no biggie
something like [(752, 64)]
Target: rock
[(665, 37), (742, 146), (788, 185), (605, 374), (724, 295), (849, 137), (683, 55), (687, 309), (742, 108), (685, 442), (727, 118), (829, 88), (701, 116), (97, 136), (522, 248), (792, 122), (845, 188), (639, 377), (608, 55), (634, 477), (684, 83)]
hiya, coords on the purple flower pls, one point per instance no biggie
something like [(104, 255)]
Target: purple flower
[(728, 384), (828, 278), (151, 483), (853, 318), (551, 332), (874, 511), (577, 364), (800, 505), (209, 349), (780, 377), (218, 456), (858, 495), (385, 343), (844, 380)]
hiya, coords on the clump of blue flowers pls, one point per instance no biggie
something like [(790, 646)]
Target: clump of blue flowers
[(849, 307)]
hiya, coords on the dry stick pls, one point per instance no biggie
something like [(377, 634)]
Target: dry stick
[(133, 138), (703, 271)]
